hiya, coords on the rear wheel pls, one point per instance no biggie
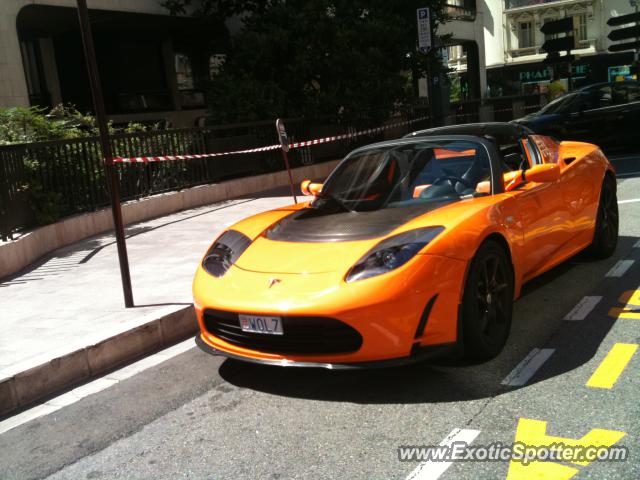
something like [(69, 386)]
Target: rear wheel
[(487, 303), (605, 238)]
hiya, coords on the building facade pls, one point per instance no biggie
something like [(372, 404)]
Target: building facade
[(152, 65), (508, 32)]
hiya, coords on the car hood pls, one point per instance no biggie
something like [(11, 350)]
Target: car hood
[(270, 256), (309, 241)]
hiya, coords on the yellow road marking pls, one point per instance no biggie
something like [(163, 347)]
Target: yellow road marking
[(631, 299), (608, 372), (533, 433)]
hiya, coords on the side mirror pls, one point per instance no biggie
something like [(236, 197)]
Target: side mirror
[(545, 173), (310, 188)]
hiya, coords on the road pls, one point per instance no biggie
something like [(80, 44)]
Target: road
[(201, 417)]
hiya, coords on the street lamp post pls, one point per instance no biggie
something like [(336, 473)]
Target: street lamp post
[(112, 178)]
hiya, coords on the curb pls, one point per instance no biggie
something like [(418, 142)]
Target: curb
[(66, 370), (22, 252)]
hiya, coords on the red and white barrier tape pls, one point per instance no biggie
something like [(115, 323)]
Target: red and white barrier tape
[(317, 141), (344, 136), (164, 158)]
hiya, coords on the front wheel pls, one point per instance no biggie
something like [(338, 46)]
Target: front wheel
[(605, 238), (487, 303)]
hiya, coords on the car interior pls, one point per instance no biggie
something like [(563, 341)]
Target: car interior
[(506, 139), (426, 171)]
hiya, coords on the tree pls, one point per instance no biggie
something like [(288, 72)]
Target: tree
[(313, 58)]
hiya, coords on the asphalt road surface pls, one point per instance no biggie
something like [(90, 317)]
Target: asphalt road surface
[(571, 381)]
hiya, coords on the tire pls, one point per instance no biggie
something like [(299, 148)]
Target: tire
[(487, 302), (605, 238)]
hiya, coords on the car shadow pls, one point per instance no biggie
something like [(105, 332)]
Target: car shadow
[(538, 323)]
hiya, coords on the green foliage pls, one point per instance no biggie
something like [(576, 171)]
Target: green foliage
[(21, 125), (46, 205), (25, 125), (354, 58)]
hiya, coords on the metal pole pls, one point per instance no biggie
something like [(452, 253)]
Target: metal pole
[(284, 144), (637, 56), (286, 163), (112, 178)]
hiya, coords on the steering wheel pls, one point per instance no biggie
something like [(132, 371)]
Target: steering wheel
[(453, 177)]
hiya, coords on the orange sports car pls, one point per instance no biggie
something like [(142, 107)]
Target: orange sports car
[(409, 248)]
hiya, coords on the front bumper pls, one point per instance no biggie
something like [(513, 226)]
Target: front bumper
[(385, 310), (423, 353)]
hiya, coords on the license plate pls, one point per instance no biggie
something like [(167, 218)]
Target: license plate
[(260, 324)]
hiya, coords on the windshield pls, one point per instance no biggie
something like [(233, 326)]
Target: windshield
[(408, 174), (566, 103)]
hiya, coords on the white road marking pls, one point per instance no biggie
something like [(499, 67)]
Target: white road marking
[(520, 375), (94, 386), (637, 244), (583, 308), (430, 470), (633, 200), (620, 268)]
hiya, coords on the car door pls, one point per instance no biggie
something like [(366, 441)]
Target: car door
[(595, 120), (542, 212), (625, 114)]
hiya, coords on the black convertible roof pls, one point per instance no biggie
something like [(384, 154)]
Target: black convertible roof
[(476, 129), (409, 140)]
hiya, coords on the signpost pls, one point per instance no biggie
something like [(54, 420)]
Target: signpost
[(424, 30), (630, 33), (568, 42), (112, 178), (284, 144), (425, 44)]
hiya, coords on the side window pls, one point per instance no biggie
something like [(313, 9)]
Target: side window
[(590, 101), (633, 90), (604, 97), (547, 147), (532, 154), (511, 152), (619, 94)]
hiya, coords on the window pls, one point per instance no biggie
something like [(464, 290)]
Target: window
[(582, 27), (525, 35), (215, 64), (455, 53), (407, 175), (184, 72), (604, 96), (33, 71)]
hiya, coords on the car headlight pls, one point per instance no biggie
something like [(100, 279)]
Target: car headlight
[(224, 252), (392, 253)]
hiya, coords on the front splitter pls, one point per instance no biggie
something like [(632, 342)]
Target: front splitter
[(421, 354)]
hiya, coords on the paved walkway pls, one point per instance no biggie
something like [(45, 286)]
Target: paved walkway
[(72, 298)]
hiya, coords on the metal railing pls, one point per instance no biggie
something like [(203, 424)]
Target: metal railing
[(41, 182)]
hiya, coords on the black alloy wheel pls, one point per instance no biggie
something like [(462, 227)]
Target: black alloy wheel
[(487, 302), (605, 238)]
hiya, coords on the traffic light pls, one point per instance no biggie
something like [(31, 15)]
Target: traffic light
[(554, 27), (625, 33), (566, 43), (554, 58)]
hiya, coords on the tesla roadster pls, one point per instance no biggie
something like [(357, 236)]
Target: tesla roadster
[(409, 248)]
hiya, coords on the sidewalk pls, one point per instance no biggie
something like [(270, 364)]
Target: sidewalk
[(59, 317)]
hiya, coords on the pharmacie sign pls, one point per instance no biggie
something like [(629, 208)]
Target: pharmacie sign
[(544, 74)]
